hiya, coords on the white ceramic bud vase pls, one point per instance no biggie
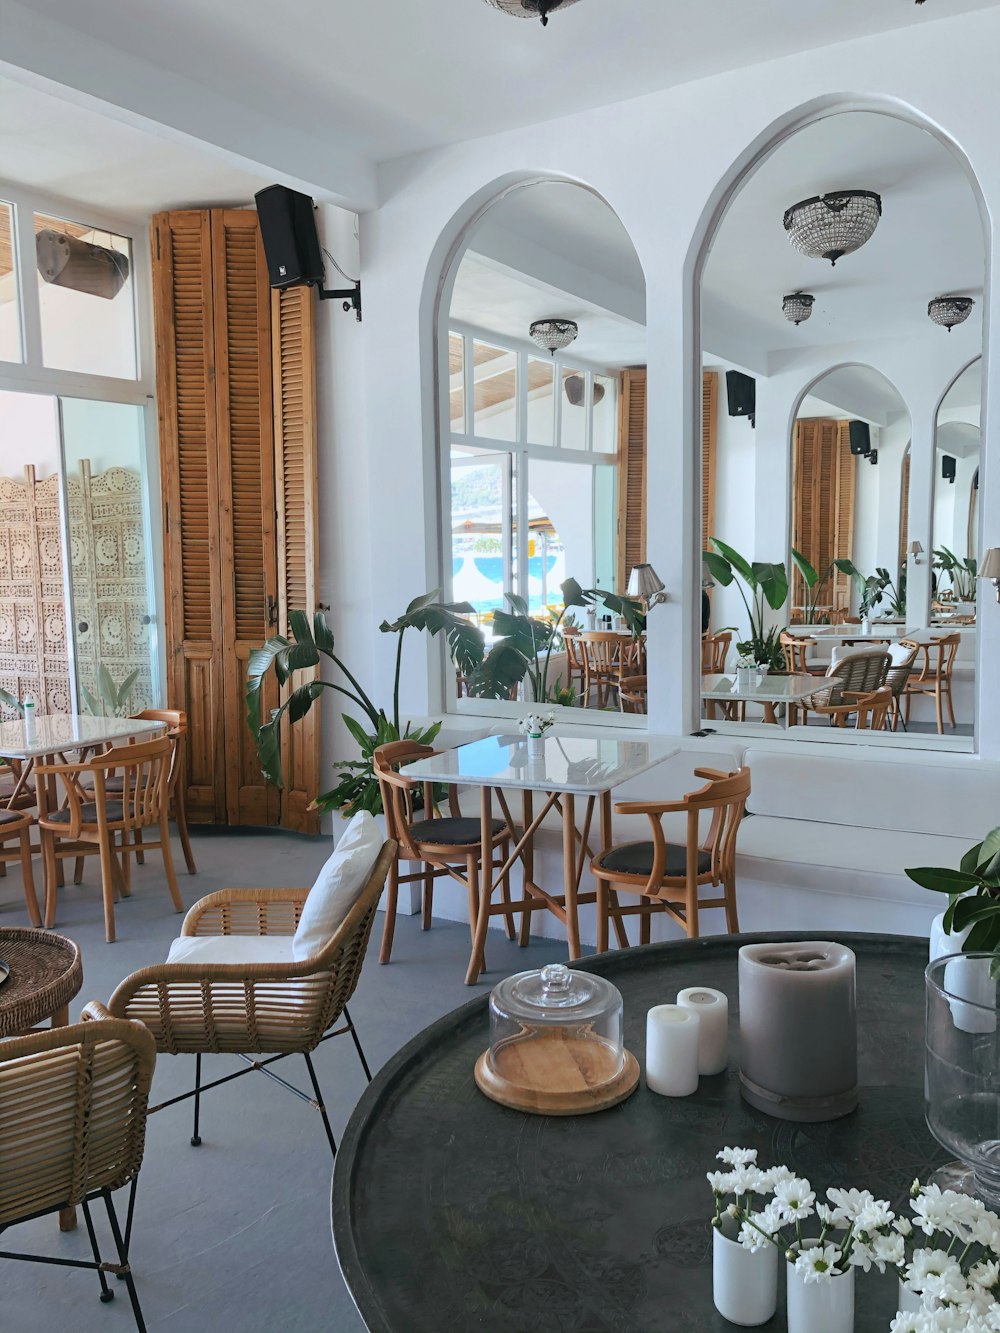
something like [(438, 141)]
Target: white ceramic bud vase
[(536, 747), (866, 624), (744, 1282), (826, 1306), (744, 678)]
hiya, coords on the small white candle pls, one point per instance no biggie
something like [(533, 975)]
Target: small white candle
[(672, 1050), (712, 1008)]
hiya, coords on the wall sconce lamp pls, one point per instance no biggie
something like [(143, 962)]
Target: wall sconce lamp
[(645, 584), (990, 568), (916, 551)]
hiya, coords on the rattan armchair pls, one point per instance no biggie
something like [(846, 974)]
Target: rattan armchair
[(72, 1130), (251, 1008)]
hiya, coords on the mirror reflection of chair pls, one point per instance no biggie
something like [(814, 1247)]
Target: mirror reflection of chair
[(714, 651), (903, 653), (847, 680), (796, 649), (442, 844), (604, 654), (632, 694), (869, 712), (934, 676), (668, 877), (575, 667)]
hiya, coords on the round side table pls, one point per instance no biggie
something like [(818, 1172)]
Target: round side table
[(452, 1212)]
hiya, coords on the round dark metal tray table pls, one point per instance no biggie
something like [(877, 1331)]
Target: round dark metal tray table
[(451, 1213)]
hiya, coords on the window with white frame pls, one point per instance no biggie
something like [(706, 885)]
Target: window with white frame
[(533, 473)]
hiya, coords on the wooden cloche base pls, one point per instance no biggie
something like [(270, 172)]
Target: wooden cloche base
[(556, 1073)]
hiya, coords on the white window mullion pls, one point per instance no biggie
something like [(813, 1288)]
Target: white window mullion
[(27, 271)]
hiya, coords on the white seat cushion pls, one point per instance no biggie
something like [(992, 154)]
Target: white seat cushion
[(338, 886), (231, 949)]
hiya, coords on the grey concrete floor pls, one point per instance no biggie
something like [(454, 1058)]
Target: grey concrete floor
[(236, 1233)]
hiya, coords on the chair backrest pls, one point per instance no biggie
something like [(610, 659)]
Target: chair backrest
[(400, 794), (633, 655), (941, 652), (860, 673), (899, 672), (72, 1113), (146, 769), (603, 649), (632, 694), (714, 650), (796, 648), (873, 709), (571, 642), (175, 720)]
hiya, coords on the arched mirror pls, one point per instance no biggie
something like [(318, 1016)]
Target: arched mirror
[(545, 457), (816, 332)]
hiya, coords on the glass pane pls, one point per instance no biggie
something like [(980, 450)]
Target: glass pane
[(574, 409), (495, 372), (114, 609), (480, 532), (85, 292), (541, 403), (10, 312), (605, 528), (456, 379), (33, 656), (605, 439)]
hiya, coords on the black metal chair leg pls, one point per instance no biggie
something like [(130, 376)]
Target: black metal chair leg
[(106, 1293), (319, 1104), (128, 1221), (357, 1044), (133, 1295), (196, 1137)]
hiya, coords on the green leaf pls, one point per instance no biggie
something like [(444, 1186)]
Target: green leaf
[(298, 623), (125, 688), (9, 701), (516, 603), (93, 705), (301, 700), (949, 916), (984, 935), (573, 594), (805, 568), (357, 731), (773, 580), (719, 567), (970, 862), (972, 909), (501, 669), (737, 561), (942, 880), (989, 846), (323, 634)]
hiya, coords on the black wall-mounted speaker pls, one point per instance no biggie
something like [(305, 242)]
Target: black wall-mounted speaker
[(948, 465), (741, 391), (291, 242), (861, 437)]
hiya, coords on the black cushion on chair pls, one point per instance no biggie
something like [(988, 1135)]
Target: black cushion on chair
[(636, 858), (8, 816), (451, 832), (114, 810)]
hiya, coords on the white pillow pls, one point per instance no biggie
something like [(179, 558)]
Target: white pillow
[(337, 886), (898, 653), (231, 949)]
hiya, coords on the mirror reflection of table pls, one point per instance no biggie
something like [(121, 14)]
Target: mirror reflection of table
[(767, 690), (453, 1213), (55, 734)]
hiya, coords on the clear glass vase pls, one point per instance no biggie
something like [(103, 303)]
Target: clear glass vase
[(962, 1072)]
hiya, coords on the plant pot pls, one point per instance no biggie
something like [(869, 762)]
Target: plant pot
[(826, 1306), (964, 978), (744, 1282)]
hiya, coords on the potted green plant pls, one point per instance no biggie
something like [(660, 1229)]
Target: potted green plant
[(973, 890), (760, 585), (962, 573), (313, 643)]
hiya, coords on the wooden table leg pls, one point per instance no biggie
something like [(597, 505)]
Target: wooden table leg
[(477, 963), (528, 864), (569, 875), (607, 842)]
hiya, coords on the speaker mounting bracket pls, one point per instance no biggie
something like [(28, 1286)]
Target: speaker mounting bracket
[(353, 295)]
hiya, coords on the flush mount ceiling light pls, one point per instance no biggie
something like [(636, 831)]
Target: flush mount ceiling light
[(797, 307), (830, 225), (950, 310), (553, 334), (531, 9)]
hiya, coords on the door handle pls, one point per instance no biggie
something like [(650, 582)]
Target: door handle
[(272, 610)]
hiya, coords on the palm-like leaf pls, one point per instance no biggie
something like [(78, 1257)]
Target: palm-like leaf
[(719, 567), (465, 640), (742, 566), (9, 701), (772, 579), (805, 568)]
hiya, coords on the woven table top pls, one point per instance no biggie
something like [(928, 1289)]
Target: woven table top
[(46, 971)]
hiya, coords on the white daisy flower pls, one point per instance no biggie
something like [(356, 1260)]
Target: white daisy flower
[(796, 1197), (831, 1217), (737, 1156), (720, 1181), (817, 1264), (850, 1202), (986, 1274), (750, 1237)]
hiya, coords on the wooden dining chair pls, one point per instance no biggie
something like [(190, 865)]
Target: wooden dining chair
[(603, 656), (796, 649), (934, 676), (575, 669), (667, 877), (904, 654), (92, 822), (632, 694), (714, 651), (443, 845), (16, 824)]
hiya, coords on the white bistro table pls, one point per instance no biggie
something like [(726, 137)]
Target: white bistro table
[(55, 733), (569, 767), (770, 691)]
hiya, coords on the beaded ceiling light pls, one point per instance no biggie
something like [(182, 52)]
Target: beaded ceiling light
[(950, 310), (830, 225), (531, 9), (553, 334), (797, 307)]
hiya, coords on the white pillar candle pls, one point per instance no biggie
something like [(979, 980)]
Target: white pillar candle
[(712, 1009), (672, 1050)]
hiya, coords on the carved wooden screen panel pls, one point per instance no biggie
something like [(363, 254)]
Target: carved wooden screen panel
[(33, 655), (631, 475), (110, 587)]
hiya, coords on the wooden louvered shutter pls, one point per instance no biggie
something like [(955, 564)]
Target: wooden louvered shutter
[(709, 409), (904, 510), (185, 372), (844, 471), (294, 361), (631, 474), (246, 490), (823, 503)]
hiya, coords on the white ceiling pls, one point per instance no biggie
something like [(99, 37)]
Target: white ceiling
[(959, 438), (854, 393), (79, 155), (387, 77), (928, 242)]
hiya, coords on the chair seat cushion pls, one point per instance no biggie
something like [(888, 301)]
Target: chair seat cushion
[(338, 886), (11, 816), (451, 832), (231, 949), (114, 811), (636, 858)]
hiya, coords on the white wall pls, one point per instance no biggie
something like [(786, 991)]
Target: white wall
[(735, 479)]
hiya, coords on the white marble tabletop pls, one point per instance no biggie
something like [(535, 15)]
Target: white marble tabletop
[(890, 629), (585, 766), (771, 690), (56, 732)]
